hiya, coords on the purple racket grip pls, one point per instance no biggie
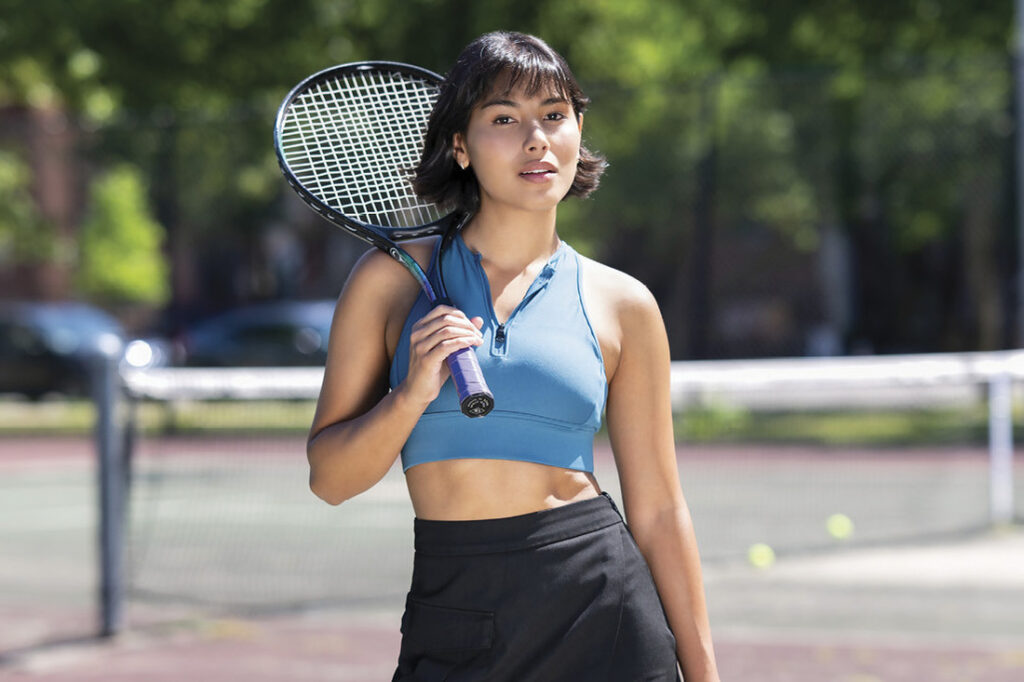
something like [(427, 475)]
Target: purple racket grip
[(475, 398)]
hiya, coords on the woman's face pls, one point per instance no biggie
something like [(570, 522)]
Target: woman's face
[(522, 148)]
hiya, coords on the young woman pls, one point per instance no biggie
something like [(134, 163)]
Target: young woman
[(524, 569)]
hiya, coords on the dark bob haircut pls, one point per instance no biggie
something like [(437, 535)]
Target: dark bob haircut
[(514, 59)]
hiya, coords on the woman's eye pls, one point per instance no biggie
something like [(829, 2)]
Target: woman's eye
[(503, 120)]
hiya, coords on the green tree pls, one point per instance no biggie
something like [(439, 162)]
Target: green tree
[(119, 244), (25, 237), (717, 116)]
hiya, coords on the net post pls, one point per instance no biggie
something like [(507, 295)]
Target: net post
[(106, 386), (1000, 447)]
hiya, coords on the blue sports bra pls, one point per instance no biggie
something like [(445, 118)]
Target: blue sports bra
[(543, 365)]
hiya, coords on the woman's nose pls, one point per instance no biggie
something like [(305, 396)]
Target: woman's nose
[(536, 140)]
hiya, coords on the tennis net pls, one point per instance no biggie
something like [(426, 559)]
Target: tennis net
[(799, 455), (220, 512)]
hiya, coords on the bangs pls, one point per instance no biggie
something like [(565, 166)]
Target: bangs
[(533, 79), (509, 62)]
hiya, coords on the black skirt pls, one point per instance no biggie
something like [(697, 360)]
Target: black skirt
[(558, 595)]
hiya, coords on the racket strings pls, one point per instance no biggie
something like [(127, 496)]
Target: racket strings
[(354, 140)]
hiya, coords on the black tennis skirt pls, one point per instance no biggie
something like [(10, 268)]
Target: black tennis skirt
[(560, 595)]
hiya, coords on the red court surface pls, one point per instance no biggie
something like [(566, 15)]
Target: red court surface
[(324, 647), (948, 609)]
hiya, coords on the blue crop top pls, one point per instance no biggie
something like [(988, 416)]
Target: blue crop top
[(543, 365)]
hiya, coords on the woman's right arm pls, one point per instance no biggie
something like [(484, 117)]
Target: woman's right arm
[(359, 427)]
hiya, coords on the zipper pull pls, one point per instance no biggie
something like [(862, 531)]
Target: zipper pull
[(498, 347)]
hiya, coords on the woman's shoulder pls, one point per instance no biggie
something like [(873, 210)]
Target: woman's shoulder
[(616, 290), (621, 309), (376, 268), (380, 291)]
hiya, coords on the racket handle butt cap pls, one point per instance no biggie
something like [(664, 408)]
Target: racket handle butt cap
[(477, 405)]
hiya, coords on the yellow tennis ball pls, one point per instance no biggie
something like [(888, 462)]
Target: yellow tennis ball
[(760, 555), (839, 526)]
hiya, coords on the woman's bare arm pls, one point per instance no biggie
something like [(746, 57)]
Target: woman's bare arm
[(359, 427), (639, 417)]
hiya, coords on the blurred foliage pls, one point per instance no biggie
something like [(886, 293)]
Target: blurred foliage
[(837, 428), (709, 424), (716, 421), (120, 258), (25, 237), (884, 119)]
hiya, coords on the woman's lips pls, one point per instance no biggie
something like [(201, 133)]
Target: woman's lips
[(538, 172), (537, 176)]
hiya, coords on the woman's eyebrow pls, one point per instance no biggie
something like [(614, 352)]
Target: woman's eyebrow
[(500, 102)]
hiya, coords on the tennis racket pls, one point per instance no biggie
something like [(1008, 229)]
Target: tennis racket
[(347, 139)]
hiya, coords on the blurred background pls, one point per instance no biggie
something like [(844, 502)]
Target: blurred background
[(791, 179), (788, 180)]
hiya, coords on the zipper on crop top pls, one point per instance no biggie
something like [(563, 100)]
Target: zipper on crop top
[(499, 342), (498, 347)]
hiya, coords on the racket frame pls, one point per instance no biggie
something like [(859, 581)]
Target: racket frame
[(475, 400)]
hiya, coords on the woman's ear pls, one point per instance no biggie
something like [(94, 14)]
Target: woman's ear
[(459, 151), (579, 121)]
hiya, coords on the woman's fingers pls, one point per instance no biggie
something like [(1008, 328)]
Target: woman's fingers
[(445, 318), (434, 337), (448, 331), (434, 354)]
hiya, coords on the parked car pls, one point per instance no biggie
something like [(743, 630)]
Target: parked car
[(45, 347), (277, 334)]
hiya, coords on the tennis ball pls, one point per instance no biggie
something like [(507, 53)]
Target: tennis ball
[(839, 526), (760, 555)]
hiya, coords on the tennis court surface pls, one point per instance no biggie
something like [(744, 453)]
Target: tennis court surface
[(939, 604)]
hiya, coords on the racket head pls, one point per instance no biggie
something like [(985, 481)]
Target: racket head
[(347, 140)]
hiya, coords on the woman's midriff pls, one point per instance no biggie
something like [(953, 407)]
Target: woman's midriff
[(469, 489)]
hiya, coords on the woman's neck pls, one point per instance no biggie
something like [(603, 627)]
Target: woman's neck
[(512, 240)]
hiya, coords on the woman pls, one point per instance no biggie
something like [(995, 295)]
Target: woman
[(524, 569)]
